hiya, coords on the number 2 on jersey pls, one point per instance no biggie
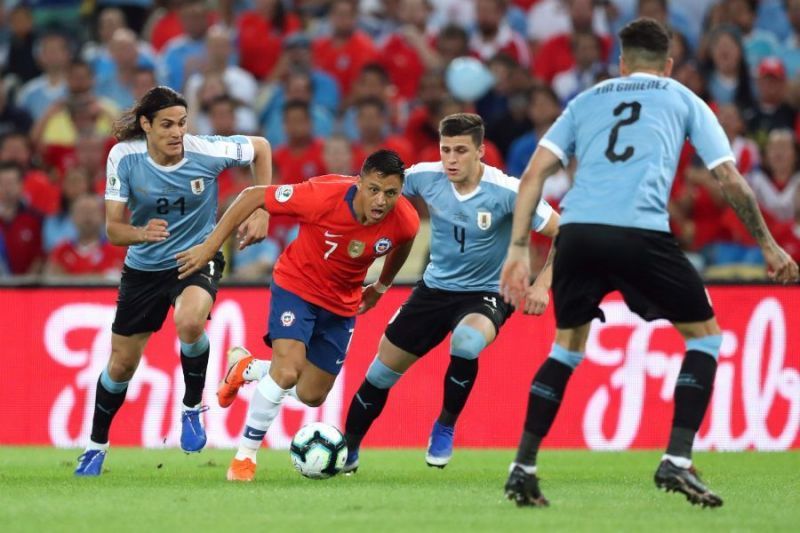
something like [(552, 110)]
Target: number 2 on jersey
[(626, 154)]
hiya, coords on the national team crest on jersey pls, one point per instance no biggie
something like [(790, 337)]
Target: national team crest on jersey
[(198, 186), (383, 245), (355, 249), (484, 220), (113, 183), (287, 318), (283, 193)]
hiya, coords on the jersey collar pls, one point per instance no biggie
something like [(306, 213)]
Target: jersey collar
[(171, 168), (349, 197)]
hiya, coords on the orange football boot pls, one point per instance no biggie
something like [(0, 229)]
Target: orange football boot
[(238, 360), (244, 470)]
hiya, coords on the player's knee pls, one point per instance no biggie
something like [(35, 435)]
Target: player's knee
[(381, 376), (311, 398), (190, 330), (562, 355), (121, 369), (466, 342), (285, 377)]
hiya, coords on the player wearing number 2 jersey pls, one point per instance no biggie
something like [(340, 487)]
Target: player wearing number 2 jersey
[(167, 179), (627, 134), (345, 224)]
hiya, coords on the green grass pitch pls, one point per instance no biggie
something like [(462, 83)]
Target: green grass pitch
[(165, 490)]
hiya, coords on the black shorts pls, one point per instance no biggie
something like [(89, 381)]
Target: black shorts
[(145, 296), (647, 267), (428, 315)]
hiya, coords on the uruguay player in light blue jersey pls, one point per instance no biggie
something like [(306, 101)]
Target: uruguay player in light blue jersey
[(627, 134), (167, 179), (471, 207)]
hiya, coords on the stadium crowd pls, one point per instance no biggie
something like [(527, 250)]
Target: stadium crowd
[(329, 81)]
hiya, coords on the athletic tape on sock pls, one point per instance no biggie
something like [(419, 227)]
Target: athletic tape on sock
[(709, 345), (197, 348), (380, 375), (467, 342), (562, 355), (114, 387)]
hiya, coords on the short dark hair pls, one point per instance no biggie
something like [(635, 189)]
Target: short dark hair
[(297, 104), (645, 40), (372, 101), (463, 124), (385, 163), (377, 69), (6, 166), (153, 101)]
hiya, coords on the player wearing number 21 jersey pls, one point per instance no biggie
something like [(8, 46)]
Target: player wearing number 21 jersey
[(345, 224)]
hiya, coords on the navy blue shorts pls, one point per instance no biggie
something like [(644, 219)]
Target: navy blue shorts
[(326, 335)]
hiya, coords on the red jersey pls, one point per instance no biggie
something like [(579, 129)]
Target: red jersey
[(296, 166), (327, 263), (402, 62), (22, 236), (101, 258), (344, 62)]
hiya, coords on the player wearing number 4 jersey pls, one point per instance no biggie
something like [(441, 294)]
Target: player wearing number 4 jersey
[(627, 134), (345, 224), (168, 181)]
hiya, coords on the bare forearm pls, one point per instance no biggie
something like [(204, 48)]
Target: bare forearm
[(124, 234), (248, 201), (542, 165), (262, 162), (394, 262), (545, 277), (741, 198)]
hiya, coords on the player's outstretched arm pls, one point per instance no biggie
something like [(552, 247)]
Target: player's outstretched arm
[(780, 266), (121, 233), (196, 257), (538, 294), (394, 262), (517, 267), (254, 229)]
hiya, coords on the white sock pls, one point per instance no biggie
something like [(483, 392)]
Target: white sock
[(264, 407), (246, 453), (528, 469), (96, 446), (185, 407), (680, 462), (258, 368)]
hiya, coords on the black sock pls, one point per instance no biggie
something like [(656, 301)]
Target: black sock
[(458, 382), (544, 400), (106, 405), (365, 407), (194, 376), (692, 395)]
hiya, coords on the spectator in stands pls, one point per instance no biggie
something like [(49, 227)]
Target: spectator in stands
[(96, 52), (555, 54), (185, 55), (587, 50), (135, 11), (788, 233), (214, 86), (24, 66), (39, 191), (260, 32), (758, 44), (726, 71), (20, 226), (419, 129), (790, 52), (771, 110), (239, 83), (745, 150), (543, 109), (690, 73), (550, 18), (53, 56), (87, 254), (337, 154), (12, 118), (373, 82), (301, 157), (345, 52), (296, 86), (143, 81), (494, 36), (407, 52), (452, 42), (117, 85), (91, 151), (775, 183), (494, 104), (60, 227), (372, 119)]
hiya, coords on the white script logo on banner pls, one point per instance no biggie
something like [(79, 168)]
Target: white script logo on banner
[(163, 390)]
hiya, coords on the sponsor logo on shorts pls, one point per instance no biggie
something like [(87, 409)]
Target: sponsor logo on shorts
[(383, 245), (283, 193), (287, 318), (484, 220), (198, 186), (355, 249)]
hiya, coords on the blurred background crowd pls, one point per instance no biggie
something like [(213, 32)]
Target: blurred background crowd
[(328, 81)]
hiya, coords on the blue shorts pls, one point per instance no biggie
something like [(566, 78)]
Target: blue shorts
[(326, 335)]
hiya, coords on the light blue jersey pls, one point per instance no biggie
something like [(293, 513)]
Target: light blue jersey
[(627, 135), (470, 233), (184, 194)]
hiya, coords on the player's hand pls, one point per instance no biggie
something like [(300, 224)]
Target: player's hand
[(254, 229), (193, 259), (514, 276), (154, 231), (780, 265), (369, 297), (536, 300)]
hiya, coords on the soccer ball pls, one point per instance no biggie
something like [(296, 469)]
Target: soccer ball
[(318, 451)]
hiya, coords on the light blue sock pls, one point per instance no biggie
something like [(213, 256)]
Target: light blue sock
[(197, 348), (114, 387)]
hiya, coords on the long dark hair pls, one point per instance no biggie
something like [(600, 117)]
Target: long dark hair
[(154, 100)]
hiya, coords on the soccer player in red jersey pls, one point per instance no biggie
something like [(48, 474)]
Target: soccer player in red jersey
[(345, 224)]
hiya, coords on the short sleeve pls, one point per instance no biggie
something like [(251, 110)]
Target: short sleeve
[(560, 138), (297, 200), (117, 181), (541, 216), (707, 135), (233, 151), (410, 183)]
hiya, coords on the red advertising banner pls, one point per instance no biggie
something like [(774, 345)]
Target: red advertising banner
[(56, 341)]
